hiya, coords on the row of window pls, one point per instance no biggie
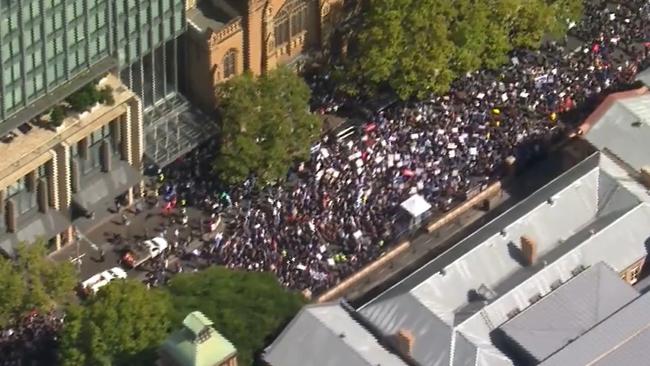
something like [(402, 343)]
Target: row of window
[(288, 25), (23, 192), (92, 161), (75, 60)]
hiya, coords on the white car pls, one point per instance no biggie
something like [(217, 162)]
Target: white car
[(94, 283), (155, 246)]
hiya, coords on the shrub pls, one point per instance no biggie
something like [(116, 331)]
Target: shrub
[(57, 114)]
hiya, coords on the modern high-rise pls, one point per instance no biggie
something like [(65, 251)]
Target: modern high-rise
[(55, 176)]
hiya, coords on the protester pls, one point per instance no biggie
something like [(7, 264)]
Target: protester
[(31, 340), (337, 211)]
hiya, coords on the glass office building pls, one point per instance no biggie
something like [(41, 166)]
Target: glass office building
[(45, 44), (50, 48)]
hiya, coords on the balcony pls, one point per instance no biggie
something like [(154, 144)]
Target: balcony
[(29, 149)]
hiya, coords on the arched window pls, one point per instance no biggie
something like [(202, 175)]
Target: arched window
[(230, 64), (290, 21)]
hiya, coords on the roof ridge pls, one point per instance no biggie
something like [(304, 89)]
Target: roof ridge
[(344, 339)]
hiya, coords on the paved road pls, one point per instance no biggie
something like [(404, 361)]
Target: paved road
[(147, 224), (425, 246)]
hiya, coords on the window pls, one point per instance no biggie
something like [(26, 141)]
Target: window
[(94, 157), (282, 29), (230, 64), (290, 21), (24, 199), (298, 23)]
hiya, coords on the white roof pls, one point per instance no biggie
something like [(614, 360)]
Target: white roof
[(416, 205)]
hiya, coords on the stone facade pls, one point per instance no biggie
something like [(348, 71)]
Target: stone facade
[(259, 36), (40, 170)]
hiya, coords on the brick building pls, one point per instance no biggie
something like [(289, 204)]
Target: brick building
[(227, 37)]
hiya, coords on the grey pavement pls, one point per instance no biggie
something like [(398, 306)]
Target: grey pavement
[(145, 225)]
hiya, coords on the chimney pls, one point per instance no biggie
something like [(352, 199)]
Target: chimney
[(529, 250), (404, 342)]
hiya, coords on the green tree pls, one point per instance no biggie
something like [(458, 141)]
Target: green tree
[(122, 325), (246, 307), (419, 46), (266, 125), (12, 287), (31, 281), (48, 284)]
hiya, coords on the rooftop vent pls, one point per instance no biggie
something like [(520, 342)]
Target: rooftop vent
[(535, 298), (512, 313), (576, 271), (556, 284)]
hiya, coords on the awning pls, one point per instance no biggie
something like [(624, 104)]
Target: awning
[(44, 226), (107, 185), (416, 205), (173, 132)]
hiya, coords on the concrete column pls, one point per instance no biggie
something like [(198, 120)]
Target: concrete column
[(127, 135), (57, 241), (42, 192), (135, 137), (52, 181), (10, 215), (106, 156), (130, 197), (61, 177)]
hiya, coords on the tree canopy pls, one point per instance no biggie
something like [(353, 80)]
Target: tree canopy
[(122, 325), (266, 125), (246, 307), (417, 47), (33, 282)]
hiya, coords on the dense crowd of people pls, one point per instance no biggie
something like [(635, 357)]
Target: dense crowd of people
[(31, 340), (337, 211)]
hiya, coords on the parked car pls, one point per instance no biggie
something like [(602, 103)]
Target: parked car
[(94, 283), (140, 253)]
